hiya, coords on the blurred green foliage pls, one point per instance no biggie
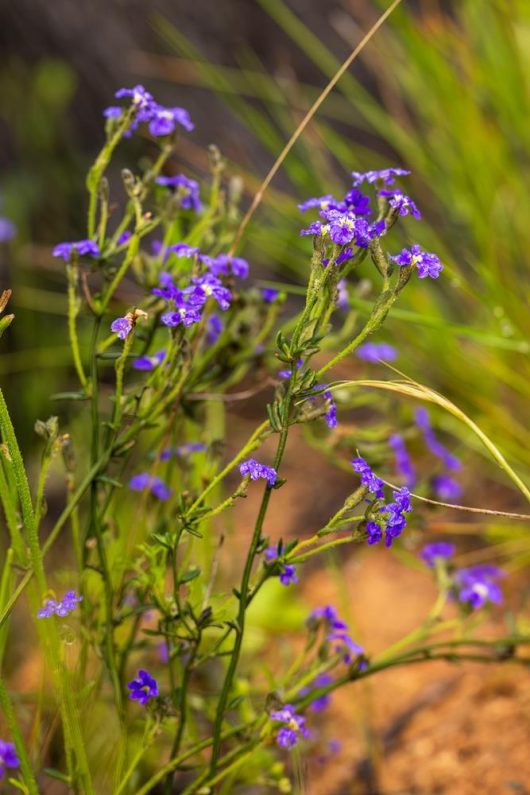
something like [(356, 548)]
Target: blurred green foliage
[(449, 97)]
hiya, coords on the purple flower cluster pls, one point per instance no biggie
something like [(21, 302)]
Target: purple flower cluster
[(269, 295), (438, 550), (293, 726), (149, 362), (160, 120), (392, 520), (154, 485), (426, 264), (477, 585), (187, 304), (61, 608), (288, 575), (337, 632), (404, 464), (330, 417), (83, 248), (343, 227), (143, 688), (8, 758), (376, 351), (188, 190), (255, 471), (401, 203), (446, 488)]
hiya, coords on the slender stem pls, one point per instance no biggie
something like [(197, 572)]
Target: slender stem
[(16, 734)]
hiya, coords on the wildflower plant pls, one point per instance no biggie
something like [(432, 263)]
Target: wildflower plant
[(160, 627)]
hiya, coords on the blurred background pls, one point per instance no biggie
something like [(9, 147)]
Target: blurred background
[(444, 90)]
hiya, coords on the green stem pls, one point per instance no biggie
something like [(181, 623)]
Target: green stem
[(16, 734)]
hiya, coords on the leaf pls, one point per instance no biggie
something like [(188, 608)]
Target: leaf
[(189, 575)]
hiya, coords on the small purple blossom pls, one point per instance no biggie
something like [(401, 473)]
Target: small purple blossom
[(181, 250), (386, 175), (143, 688), (214, 328), (337, 632), (288, 575), (402, 204), (182, 451), (293, 729), (373, 483), (323, 701), (426, 263), (269, 295), (156, 486), (403, 460), (343, 301), (164, 121), (320, 202), (208, 286), (8, 230), (374, 351), (188, 190), (439, 550), (446, 488), (113, 112), (450, 461), (122, 326), (149, 362), (225, 265), (358, 202), (477, 585), (255, 470), (81, 247), (124, 238), (8, 757), (61, 608)]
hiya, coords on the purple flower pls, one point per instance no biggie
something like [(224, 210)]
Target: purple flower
[(164, 121), (401, 203), (181, 250), (113, 112), (368, 478), (163, 652), (287, 373), (149, 362), (330, 417), (404, 463), (446, 488), (224, 265), (394, 515), (61, 608), (143, 688), (8, 757), (154, 485), (477, 585), (287, 574), (82, 247), (342, 295), (8, 230), (337, 632), (214, 329), (255, 470), (427, 264), (269, 295), (294, 726), (373, 351), (437, 448), (386, 175), (182, 450), (321, 202), (124, 238), (321, 702), (188, 190), (345, 227), (122, 326), (358, 202), (207, 286), (439, 550)]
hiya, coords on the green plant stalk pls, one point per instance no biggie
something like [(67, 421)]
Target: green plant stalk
[(16, 734), (10, 511), (377, 317), (244, 590), (72, 280)]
